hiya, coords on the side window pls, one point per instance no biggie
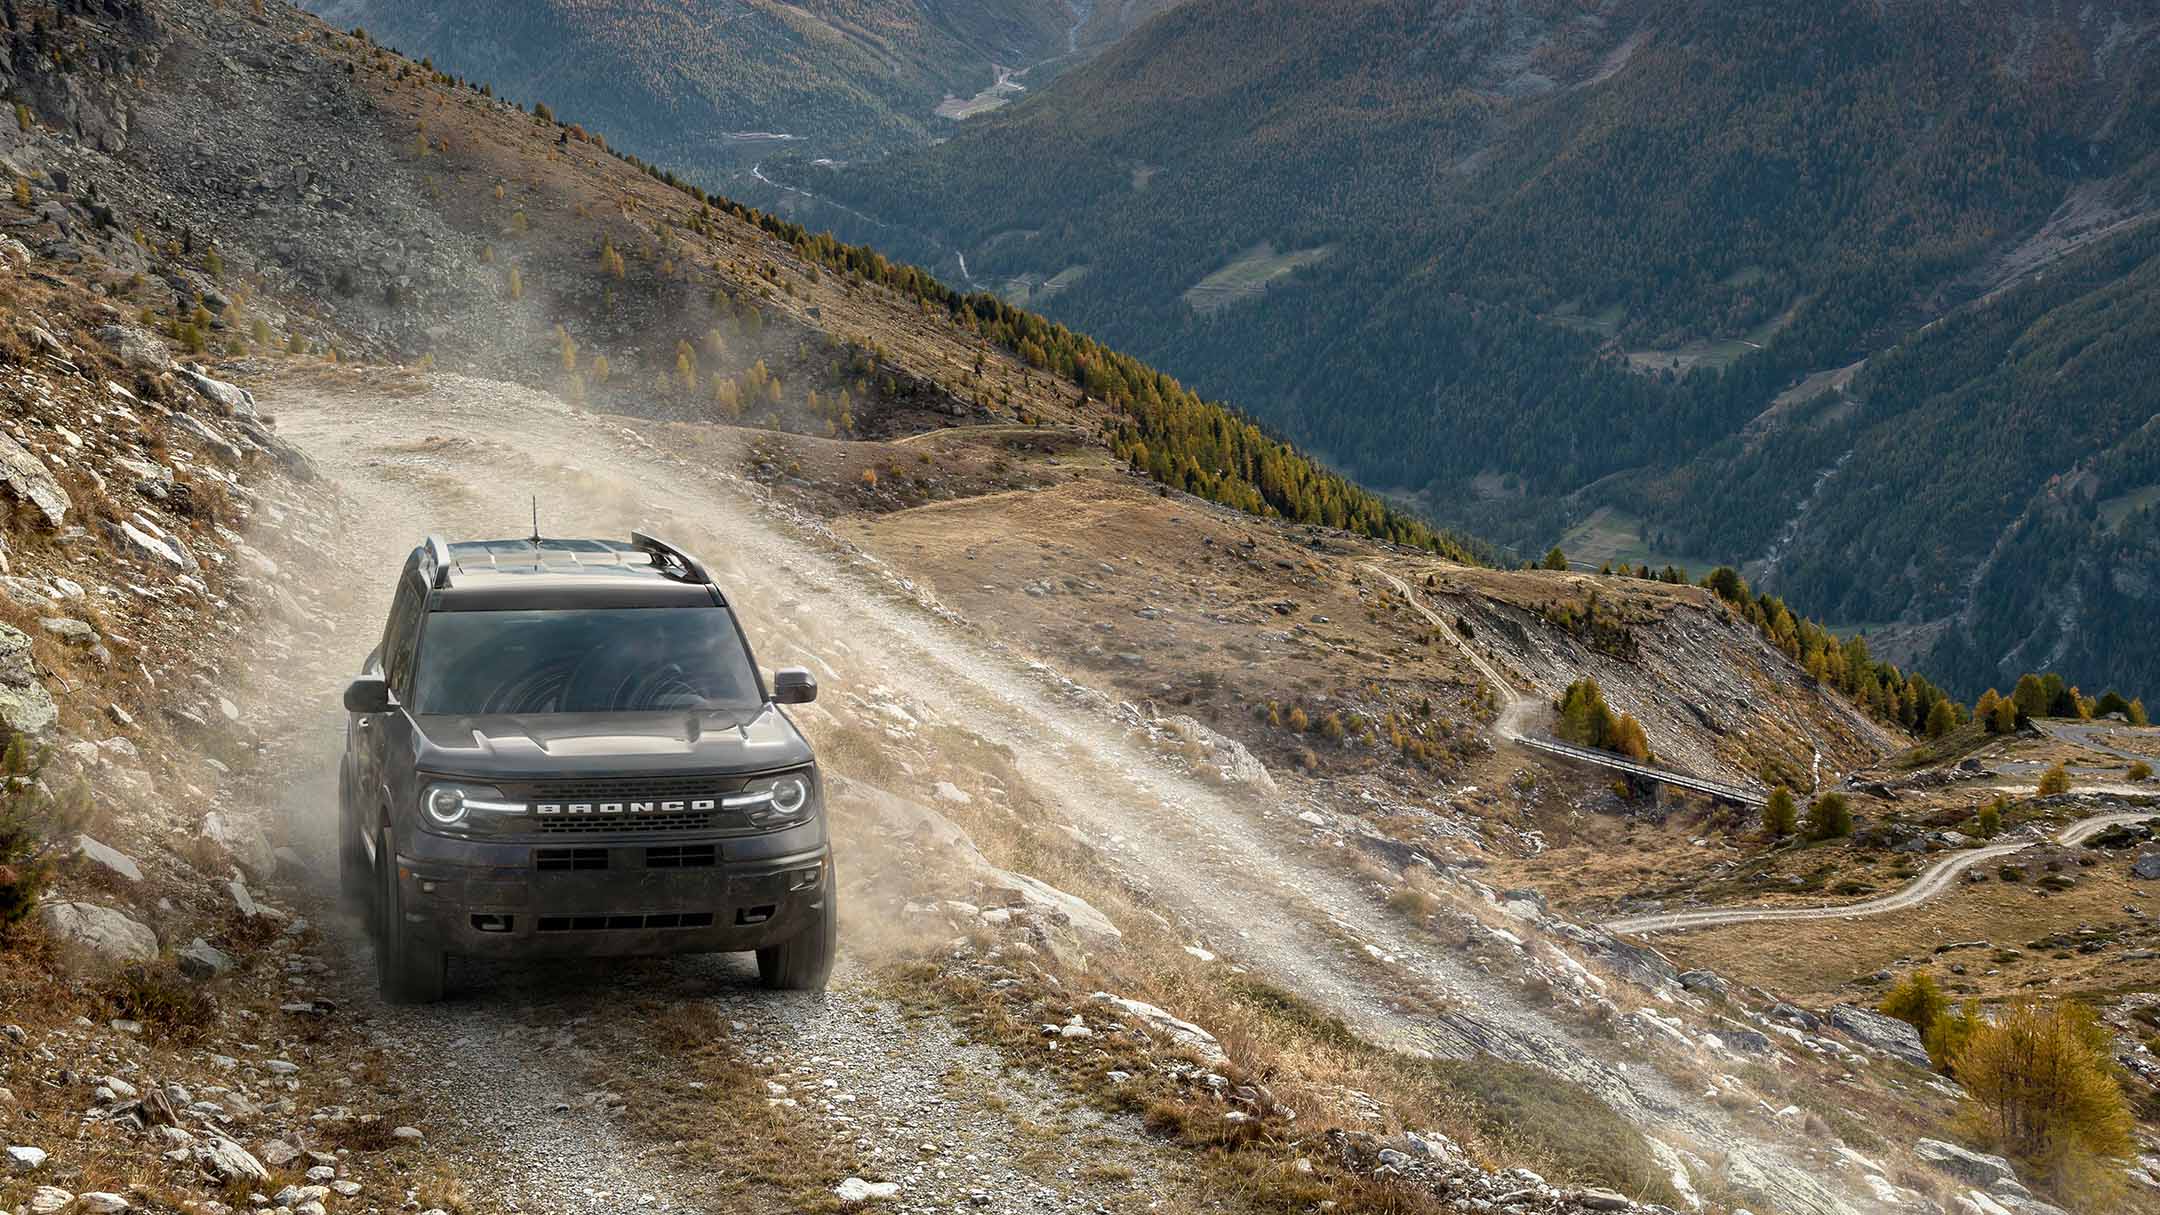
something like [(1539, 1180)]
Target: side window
[(404, 627)]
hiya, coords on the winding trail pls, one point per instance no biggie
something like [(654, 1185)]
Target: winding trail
[(1516, 710), (1234, 868), (1938, 878), (2092, 735)]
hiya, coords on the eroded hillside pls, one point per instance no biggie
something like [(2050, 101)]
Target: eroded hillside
[(1184, 864)]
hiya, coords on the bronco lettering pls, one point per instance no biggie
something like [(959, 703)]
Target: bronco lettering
[(694, 806)]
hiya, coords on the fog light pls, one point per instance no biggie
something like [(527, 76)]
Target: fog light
[(806, 879)]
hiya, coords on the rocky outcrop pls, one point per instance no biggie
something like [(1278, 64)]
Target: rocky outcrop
[(26, 708), (233, 399), (98, 934), (138, 348), (1886, 1034), (1177, 1029), (31, 483), (1964, 1163), (111, 859)]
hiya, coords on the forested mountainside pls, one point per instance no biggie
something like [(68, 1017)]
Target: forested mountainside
[(1848, 295), (708, 84)]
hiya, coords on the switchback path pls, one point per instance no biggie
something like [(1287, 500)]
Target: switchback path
[(1516, 709), (1938, 878)]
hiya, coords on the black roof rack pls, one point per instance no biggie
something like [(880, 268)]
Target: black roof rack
[(664, 553), (438, 551)]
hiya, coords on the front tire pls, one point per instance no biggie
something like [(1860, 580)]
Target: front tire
[(804, 962), (406, 970)]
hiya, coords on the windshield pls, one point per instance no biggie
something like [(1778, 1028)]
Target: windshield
[(613, 660)]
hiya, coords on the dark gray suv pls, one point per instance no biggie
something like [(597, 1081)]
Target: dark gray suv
[(564, 748)]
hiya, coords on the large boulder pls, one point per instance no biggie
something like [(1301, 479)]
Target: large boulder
[(232, 398), (114, 860), (26, 708), (1964, 1163), (2147, 866), (99, 934), (225, 1161), (1887, 1034), (29, 481), (244, 839), (138, 348)]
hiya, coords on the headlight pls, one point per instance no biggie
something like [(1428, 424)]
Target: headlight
[(775, 801), (453, 803)]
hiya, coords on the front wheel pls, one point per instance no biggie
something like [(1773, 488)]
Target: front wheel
[(406, 970), (804, 962)]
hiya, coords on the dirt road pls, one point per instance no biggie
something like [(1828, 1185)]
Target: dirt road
[(1517, 712), (463, 459), (1939, 877)]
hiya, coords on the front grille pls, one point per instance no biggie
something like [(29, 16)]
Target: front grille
[(569, 858), (625, 923), (631, 824), (624, 788)]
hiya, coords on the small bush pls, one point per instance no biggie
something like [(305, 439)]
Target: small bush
[(1918, 1001), (2055, 781), (1991, 817), (2140, 771), (160, 997)]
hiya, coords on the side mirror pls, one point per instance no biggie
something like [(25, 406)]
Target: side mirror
[(369, 694), (793, 686)]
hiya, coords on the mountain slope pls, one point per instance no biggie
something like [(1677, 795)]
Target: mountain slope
[(1175, 710), (704, 84), (1531, 263)]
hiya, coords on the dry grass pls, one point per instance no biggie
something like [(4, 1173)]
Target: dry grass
[(159, 996), (707, 1108)]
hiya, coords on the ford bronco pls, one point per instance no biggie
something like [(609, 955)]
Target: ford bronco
[(564, 748)]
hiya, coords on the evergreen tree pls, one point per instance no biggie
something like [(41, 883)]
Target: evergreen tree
[(1941, 719), (1555, 559), (1830, 818), (2031, 697), (1780, 816)]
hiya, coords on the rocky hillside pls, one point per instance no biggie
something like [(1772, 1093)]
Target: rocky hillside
[(711, 88), (1080, 723)]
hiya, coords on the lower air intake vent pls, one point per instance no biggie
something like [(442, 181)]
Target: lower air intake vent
[(682, 856), (625, 923)]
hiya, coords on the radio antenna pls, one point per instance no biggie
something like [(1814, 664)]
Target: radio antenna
[(536, 519)]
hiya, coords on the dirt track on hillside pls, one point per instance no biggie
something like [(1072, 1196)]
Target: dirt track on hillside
[(465, 458), (1937, 879)]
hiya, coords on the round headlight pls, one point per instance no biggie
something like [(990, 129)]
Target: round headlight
[(788, 795), (446, 805)]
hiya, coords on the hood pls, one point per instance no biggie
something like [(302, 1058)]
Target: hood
[(540, 745)]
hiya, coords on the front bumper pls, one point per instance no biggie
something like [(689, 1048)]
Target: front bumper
[(638, 897)]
